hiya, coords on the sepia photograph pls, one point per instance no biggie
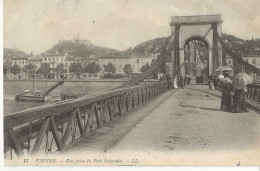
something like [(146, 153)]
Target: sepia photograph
[(131, 83)]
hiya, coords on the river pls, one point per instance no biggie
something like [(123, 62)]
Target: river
[(11, 88)]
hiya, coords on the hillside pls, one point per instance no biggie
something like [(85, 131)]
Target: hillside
[(150, 45), (83, 48), (243, 46), (13, 52), (80, 49)]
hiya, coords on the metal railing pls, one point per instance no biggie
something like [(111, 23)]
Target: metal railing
[(253, 92), (27, 130)]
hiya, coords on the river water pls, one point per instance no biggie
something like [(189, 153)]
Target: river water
[(11, 88)]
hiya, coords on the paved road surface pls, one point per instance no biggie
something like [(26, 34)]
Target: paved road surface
[(184, 127), (191, 121)]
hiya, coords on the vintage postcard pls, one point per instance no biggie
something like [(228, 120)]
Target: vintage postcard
[(131, 82)]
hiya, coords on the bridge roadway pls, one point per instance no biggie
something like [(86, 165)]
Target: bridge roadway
[(182, 121)]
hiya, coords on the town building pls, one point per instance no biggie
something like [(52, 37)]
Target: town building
[(67, 62), (54, 59), (87, 60), (138, 60), (37, 61), (21, 61), (252, 59), (229, 61), (118, 61)]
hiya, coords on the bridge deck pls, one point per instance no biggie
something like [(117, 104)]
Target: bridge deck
[(184, 121), (102, 139)]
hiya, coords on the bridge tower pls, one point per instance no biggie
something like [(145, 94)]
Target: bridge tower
[(203, 28)]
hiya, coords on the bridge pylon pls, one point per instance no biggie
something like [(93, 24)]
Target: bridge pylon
[(203, 28)]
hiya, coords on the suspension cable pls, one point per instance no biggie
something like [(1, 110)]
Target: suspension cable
[(237, 57)]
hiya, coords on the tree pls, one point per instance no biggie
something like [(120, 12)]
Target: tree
[(30, 68), (92, 68), (6, 68), (76, 68), (110, 68), (144, 68), (60, 68), (15, 69), (128, 69), (155, 74), (45, 69)]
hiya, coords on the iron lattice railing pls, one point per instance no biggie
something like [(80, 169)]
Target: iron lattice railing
[(253, 92), (26, 131)]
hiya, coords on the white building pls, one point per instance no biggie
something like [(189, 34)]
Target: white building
[(54, 59), (67, 62), (229, 61), (118, 62), (37, 61), (139, 60), (252, 59), (21, 61)]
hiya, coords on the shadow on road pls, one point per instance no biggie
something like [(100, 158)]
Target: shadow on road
[(203, 108)]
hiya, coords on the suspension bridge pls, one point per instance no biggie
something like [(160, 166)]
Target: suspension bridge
[(111, 120)]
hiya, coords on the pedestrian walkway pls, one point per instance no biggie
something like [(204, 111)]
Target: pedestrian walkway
[(178, 127), (217, 93), (108, 136), (191, 121)]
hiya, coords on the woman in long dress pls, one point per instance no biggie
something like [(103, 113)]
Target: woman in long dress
[(226, 85), (211, 85), (175, 82), (181, 82), (239, 103)]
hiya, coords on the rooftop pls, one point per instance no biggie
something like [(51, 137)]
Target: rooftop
[(53, 54), (69, 58), (35, 58), (140, 55), (116, 56), (19, 57)]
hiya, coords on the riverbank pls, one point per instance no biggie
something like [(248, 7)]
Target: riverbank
[(69, 88), (70, 80)]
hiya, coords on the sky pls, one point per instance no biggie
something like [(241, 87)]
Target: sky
[(36, 25)]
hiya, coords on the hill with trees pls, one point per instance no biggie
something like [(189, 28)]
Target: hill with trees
[(79, 48), (13, 52), (151, 45), (243, 46), (84, 48)]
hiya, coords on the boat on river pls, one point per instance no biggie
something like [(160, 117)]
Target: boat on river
[(36, 95)]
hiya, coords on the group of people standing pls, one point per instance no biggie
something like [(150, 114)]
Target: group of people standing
[(239, 102), (180, 81), (177, 81)]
